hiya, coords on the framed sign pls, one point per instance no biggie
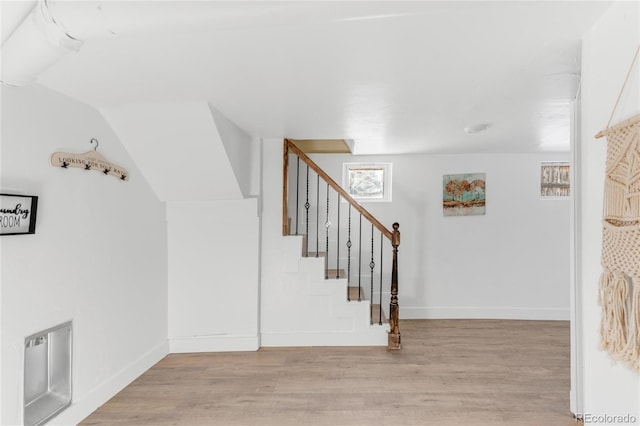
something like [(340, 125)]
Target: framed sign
[(18, 214)]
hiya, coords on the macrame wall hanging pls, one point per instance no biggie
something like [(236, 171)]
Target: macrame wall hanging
[(619, 293)]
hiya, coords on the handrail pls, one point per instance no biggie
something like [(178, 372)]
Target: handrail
[(291, 146)]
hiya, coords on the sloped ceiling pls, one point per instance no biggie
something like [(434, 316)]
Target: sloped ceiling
[(178, 149), (395, 77)]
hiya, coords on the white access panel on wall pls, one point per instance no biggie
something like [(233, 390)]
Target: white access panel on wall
[(47, 373)]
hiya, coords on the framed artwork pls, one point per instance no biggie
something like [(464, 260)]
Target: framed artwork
[(555, 179), (464, 194), (367, 181), (18, 214)]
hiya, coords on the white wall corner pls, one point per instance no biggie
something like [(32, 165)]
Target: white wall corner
[(238, 146), (256, 167)]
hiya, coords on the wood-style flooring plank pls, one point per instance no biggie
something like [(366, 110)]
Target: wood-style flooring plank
[(448, 373)]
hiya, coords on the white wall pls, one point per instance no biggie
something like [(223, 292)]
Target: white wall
[(200, 163), (607, 53), (238, 145), (178, 149), (512, 262), (98, 256), (274, 248), (213, 275)]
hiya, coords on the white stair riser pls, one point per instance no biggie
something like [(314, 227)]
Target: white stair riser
[(318, 312)]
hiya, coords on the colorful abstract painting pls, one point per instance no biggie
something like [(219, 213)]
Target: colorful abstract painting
[(464, 194)]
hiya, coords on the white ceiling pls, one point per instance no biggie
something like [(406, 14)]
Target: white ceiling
[(396, 77)]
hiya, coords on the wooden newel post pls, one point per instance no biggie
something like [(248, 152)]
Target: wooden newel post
[(394, 330)]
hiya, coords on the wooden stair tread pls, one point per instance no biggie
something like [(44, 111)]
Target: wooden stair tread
[(333, 272), (353, 293), (375, 307), (313, 253), (375, 317)]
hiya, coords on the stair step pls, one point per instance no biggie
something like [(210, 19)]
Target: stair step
[(311, 247), (375, 307), (331, 273), (353, 293), (375, 314), (313, 253)]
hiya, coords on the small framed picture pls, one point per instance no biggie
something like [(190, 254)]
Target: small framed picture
[(555, 179), (18, 214), (464, 194), (367, 181)]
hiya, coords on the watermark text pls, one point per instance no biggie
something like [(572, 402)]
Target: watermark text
[(607, 419)]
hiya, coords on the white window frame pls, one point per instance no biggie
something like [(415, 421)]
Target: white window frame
[(348, 168)]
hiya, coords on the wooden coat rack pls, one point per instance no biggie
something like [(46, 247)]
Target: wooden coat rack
[(91, 160)]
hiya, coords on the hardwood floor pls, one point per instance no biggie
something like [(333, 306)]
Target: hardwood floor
[(449, 372)]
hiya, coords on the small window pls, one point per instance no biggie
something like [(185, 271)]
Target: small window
[(554, 180), (367, 181)]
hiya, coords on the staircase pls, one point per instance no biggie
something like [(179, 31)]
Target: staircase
[(340, 260), (319, 285), (318, 309)]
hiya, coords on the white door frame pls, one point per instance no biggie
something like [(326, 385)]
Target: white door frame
[(575, 298)]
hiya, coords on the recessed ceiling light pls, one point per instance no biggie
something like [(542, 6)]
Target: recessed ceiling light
[(476, 128)]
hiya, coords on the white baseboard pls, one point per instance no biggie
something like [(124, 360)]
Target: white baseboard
[(555, 314), (375, 337), (222, 343), (84, 406)]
